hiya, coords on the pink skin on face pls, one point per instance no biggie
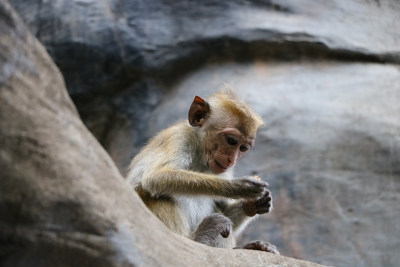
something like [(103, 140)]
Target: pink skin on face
[(230, 145)]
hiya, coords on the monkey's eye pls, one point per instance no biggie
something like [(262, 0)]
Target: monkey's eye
[(233, 141), (244, 148)]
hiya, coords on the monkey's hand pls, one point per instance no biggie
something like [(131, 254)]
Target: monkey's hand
[(247, 187), (260, 205), (263, 246)]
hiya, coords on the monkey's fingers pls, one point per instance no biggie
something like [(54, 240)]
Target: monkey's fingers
[(261, 183), (267, 247), (252, 181), (264, 210), (263, 246), (252, 246), (263, 202), (247, 188), (251, 195), (264, 205), (266, 193)]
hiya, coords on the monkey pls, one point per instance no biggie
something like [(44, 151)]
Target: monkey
[(184, 174)]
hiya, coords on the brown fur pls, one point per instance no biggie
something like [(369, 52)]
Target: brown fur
[(185, 168)]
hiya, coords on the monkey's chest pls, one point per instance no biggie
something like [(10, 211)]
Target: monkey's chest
[(195, 209)]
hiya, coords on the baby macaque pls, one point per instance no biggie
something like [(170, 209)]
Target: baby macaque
[(185, 174)]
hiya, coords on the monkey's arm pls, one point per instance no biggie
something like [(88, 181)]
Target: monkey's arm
[(235, 212), (241, 211), (169, 181)]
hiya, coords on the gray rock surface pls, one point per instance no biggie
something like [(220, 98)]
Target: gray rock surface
[(330, 151), (120, 57), (62, 199), (324, 75)]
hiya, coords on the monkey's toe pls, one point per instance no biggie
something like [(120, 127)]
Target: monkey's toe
[(263, 246), (226, 232)]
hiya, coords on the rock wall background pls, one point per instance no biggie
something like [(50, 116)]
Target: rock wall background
[(63, 201), (324, 76)]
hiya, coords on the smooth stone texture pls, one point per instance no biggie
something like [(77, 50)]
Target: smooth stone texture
[(330, 151), (62, 199), (324, 74)]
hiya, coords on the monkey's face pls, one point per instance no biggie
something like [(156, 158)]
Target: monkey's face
[(224, 148)]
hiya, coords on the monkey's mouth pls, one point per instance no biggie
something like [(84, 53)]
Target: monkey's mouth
[(220, 166)]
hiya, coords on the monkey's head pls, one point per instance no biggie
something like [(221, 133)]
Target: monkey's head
[(229, 128)]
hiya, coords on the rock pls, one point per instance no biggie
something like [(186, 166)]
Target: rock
[(330, 151), (62, 199), (133, 52), (324, 75)]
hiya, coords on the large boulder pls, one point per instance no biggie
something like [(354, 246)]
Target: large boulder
[(323, 74), (62, 200), (120, 57), (330, 151)]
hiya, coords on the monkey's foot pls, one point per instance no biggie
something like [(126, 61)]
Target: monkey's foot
[(263, 246), (211, 227)]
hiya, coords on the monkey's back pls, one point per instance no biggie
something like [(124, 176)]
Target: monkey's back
[(170, 147)]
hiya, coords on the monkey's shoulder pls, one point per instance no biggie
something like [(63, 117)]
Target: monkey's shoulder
[(179, 133), (174, 147), (176, 140)]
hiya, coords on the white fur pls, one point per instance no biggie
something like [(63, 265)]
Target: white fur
[(195, 208)]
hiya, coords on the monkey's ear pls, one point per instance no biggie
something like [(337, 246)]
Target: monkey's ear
[(199, 111)]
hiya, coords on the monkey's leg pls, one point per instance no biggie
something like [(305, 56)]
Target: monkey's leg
[(234, 211), (263, 246), (211, 227)]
